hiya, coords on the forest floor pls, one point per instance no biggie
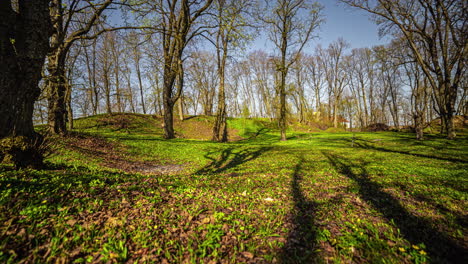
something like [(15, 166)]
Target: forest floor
[(115, 191)]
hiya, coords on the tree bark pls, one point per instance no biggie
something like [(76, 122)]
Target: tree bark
[(219, 128), (56, 88), (24, 42), (180, 103), (282, 113), (419, 125)]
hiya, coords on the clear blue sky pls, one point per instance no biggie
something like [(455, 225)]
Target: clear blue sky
[(353, 25)]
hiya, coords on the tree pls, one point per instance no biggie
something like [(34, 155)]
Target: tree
[(436, 32), (334, 63), (391, 79), (71, 20), (117, 51), (360, 63), (231, 23), (298, 93), (90, 61), (315, 77), (24, 41), (176, 24), (263, 72), (105, 66), (154, 73), (419, 96), (203, 79), (137, 54), (291, 26)]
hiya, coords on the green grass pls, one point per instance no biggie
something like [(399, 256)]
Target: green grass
[(316, 198)]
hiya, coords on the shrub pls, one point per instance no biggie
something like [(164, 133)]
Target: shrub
[(377, 127)]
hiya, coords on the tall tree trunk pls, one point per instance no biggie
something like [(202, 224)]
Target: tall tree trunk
[(69, 106), (107, 90), (335, 113), (56, 88), (137, 64), (364, 104), (419, 124), (180, 83), (450, 126), (24, 42), (282, 112), (219, 128), (180, 104), (168, 120), (117, 87), (168, 102)]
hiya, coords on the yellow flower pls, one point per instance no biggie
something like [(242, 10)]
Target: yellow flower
[(401, 249), (415, 247), (422, 252)]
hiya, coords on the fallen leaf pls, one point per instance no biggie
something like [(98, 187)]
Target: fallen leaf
[(247, 255)]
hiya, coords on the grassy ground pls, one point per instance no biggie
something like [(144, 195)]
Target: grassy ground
[(115, 191)]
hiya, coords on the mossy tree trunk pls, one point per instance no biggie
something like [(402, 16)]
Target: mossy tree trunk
[(24, 42)]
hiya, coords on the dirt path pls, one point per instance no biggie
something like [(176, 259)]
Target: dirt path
[(115, 156)]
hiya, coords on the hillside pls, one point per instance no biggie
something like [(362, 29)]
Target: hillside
[(193, 127), (115, 191)]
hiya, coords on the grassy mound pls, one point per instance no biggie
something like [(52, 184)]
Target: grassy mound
[(192, 127), (116, 192)]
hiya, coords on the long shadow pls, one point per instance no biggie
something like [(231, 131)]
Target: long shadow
[(441, 248), (300, 244), (230, 158), (262, 136), (51, 189), (462, 220), (365, 145)]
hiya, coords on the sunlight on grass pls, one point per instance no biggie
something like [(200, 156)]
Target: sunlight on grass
[(318, 197)]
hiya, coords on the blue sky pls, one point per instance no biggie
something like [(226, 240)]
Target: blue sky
[(352, 25)]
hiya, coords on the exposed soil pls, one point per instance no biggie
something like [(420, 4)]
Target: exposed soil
[(201, 128), (115, 156)]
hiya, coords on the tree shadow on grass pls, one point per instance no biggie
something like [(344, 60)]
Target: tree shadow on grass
[(301, 241), (441, 248), (33, 201), (230, 158), (360, 143)]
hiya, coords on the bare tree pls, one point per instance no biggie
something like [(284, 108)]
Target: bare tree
[(360, 63), (204, 79), (64, 19), (232, 22), (436, 32), (90, 57), (391, 79), (176, 24), (263, 73), (291, 25), (135, 44), (298, 90), (117, 52), (315, 78), (333, 59)]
